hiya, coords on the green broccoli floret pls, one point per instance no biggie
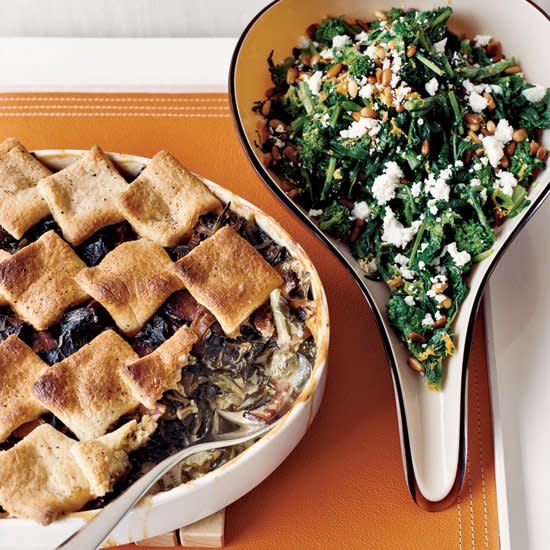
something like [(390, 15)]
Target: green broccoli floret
[(278, 71), (329, 28), (358, 64), (523, 164), (335, 220), (475, 239), (291, 102), (313, 145)]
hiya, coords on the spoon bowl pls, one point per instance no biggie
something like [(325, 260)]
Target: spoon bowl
[(433, 425)]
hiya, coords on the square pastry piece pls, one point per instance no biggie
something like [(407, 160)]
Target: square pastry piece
[(228, 276), (40, 479), (85, 390), (19, 368), (131, 283), (152, 375), (165, 201), (21, 204), (38, 281), (81, 196)]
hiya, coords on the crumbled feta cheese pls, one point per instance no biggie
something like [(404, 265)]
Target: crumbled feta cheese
[(327, 54), (315, 213), (432, 207), (421, 264), (474, 182), (506, 181), (459, 164), (440, 278), (401, 93), (431, 294), (341, 40), (484, 161), (494, 145), (303, 42), (416, 188), (280, 144), (395, 233), (438, 315), (397, 62), (401, 259), (423, 247), (483, 195), (496, 89), (314, 82), (477, 102), (368, 266), (504, 131), (470, 87), (432, 86), (428, 320), (459, 258), (366, 91), (420, 121), (386, 63), (360, 210), (437, 186), (362, 36), (494, 149), (395, 78), (439, 298), (280, 129), (383, 188), (482, 39), (370, 52), (439, 47), (359, 128), (535, 94), (409, 300), (407, 273), (325, 120)]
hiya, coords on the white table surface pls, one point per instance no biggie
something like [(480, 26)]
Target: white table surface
[(516, 309)]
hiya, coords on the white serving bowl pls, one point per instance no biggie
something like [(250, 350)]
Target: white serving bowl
[(190, 502)]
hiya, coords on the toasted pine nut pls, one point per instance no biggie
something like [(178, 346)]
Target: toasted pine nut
[(342, 88), (315, 59), (400, 108), (269, 92), (306, 60), (542, 153), (494, 48), (447, 302), (425, 149), (291, 74), (439, 288), (519, 135), (510, 148), (287, 186), (275, 153), (291, 154), (385, 115), (479, 152), (415, 364), (533, 148), (391, 44), (418, 338), (293, 192), (380, 52), (380, 15), (473, 137), (266, 107), (367, 112), (505, 161), (491, 105), (371, 79), (474, 127), (353, 88), (491, 127), (513, 69), (356, 115), (263, 134), (386, 77), (411, 50), (275, 123), (379, 76), (471, 118), (334, 70), (440, 322), (498, 57), (267, 160)]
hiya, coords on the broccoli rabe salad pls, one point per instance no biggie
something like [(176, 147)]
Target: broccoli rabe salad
[(412, 144)]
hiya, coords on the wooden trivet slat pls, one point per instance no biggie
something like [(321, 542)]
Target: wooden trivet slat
[(206, 533)]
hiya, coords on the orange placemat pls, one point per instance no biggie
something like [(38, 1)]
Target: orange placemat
[(343, 486)]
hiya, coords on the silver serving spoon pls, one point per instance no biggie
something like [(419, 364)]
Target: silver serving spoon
[(94, 533)]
